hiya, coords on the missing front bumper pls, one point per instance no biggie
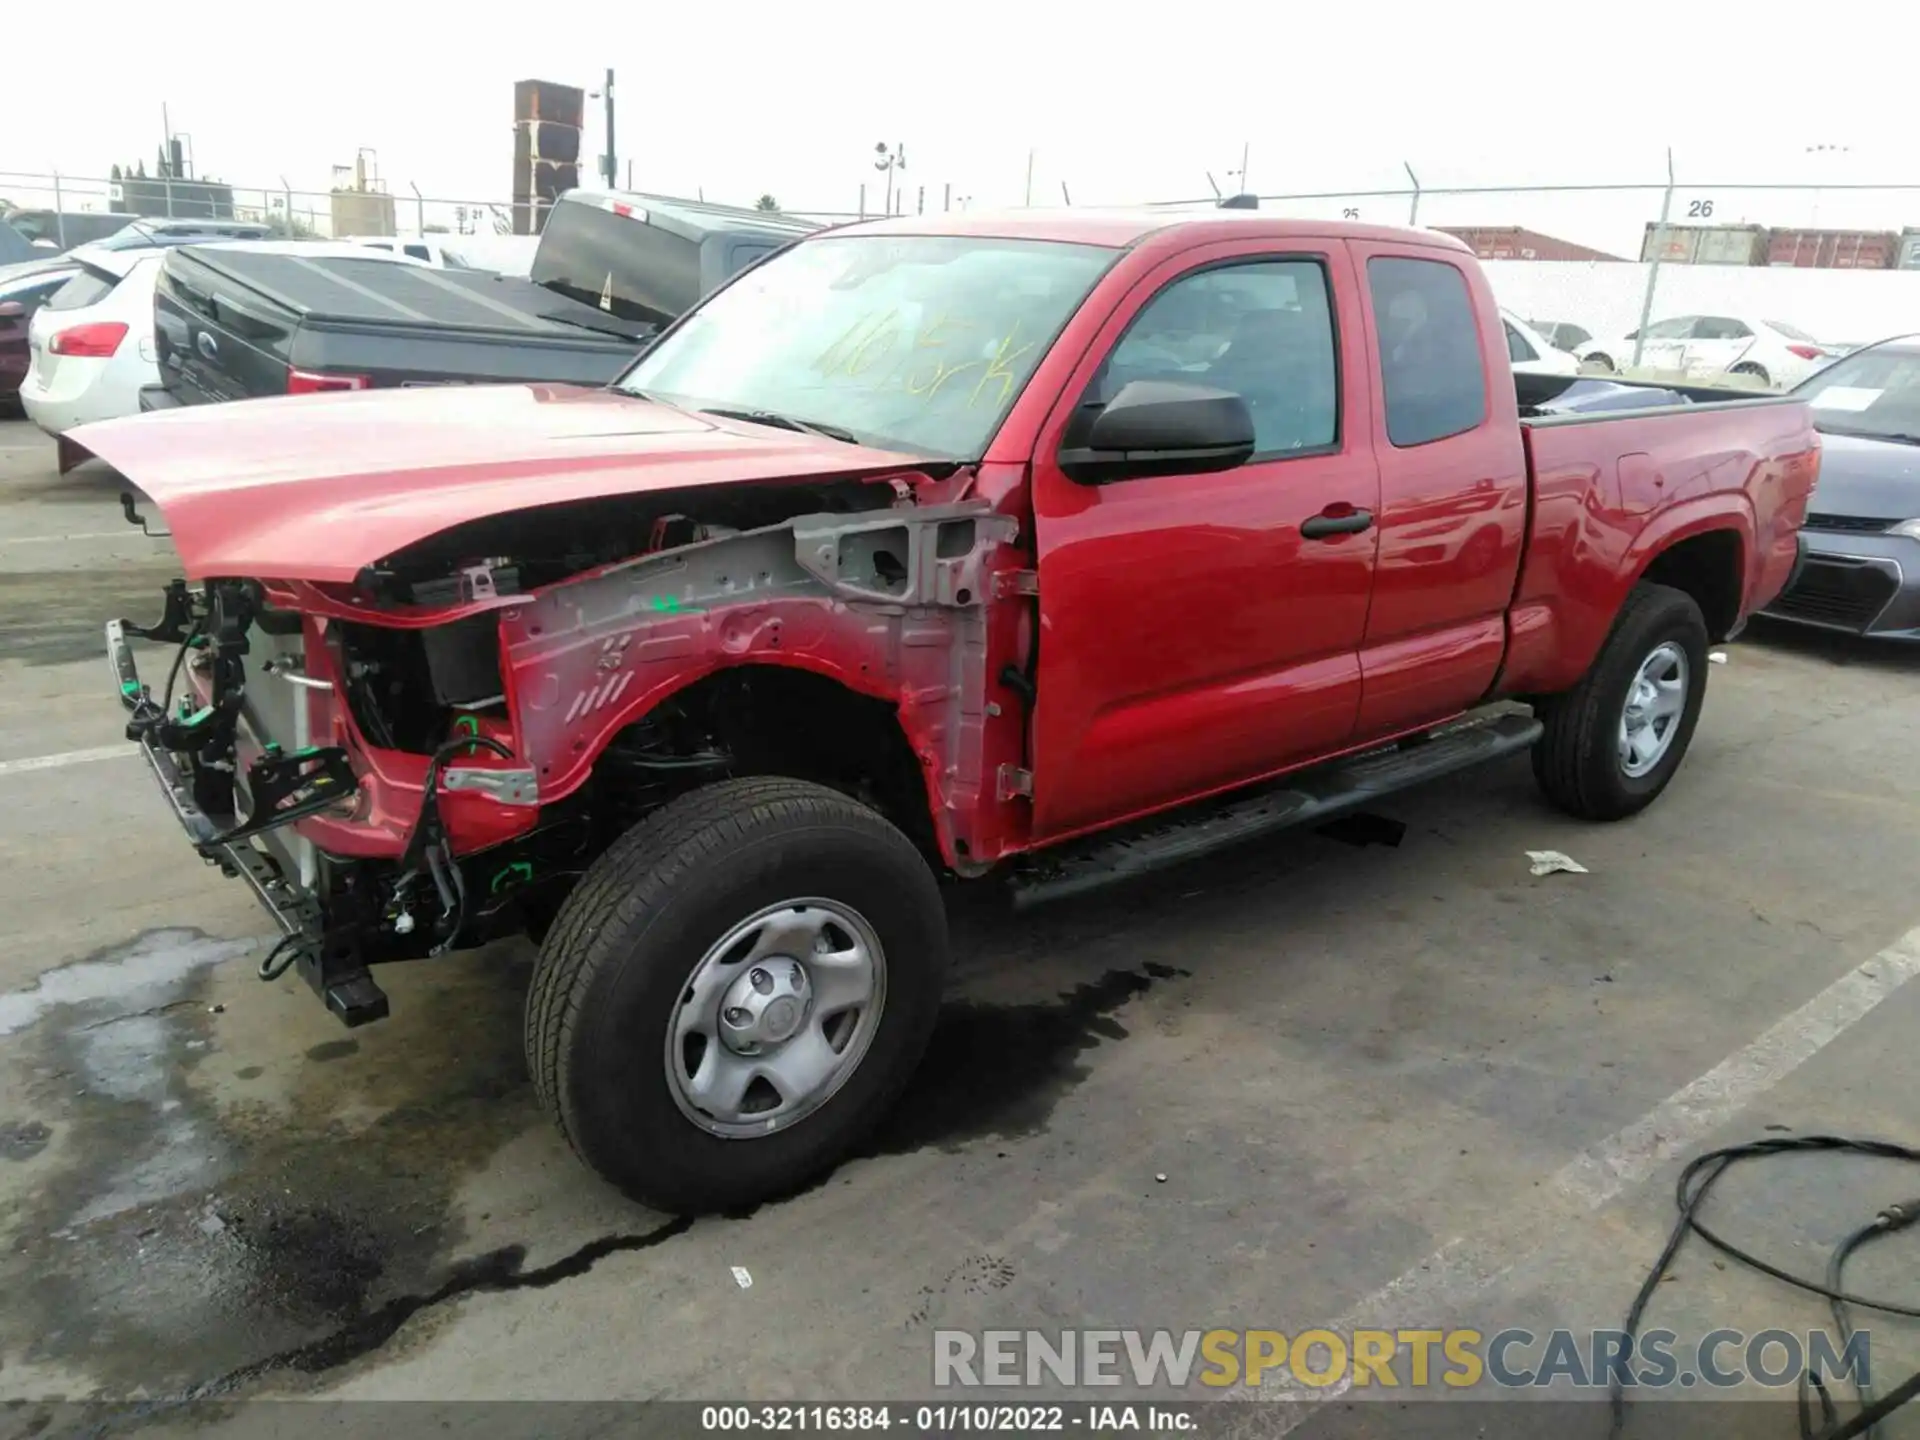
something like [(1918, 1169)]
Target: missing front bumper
[(341, 981)]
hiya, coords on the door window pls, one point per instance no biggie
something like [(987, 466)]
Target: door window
[(1262, 329), (1430, 370), (1715, 327), (1517, 347), (1678, 329)]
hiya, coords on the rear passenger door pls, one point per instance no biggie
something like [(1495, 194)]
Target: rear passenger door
[(1664, 346), (1193, 635), (1716, 342), (1453, 488)]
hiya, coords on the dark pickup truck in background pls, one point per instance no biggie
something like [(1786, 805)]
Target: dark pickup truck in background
[(240, 322)]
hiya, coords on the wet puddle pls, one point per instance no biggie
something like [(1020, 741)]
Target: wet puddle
[(163, 1228)]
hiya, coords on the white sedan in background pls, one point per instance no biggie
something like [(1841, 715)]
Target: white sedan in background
[(90, 347), (1708, 347), (1531, 353)]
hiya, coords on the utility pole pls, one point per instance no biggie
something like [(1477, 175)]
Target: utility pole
[(166, 154), (613, 167), (1029, 199), (1653, 270)]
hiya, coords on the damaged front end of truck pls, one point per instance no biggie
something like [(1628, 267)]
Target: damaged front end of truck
[(427, 756)]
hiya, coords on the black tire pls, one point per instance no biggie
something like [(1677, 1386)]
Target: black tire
[(630, 935), (1603, 362), (1753, 372), (1577, 761)]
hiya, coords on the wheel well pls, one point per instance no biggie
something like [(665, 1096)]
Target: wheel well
[(770, 720), (1707, 567)]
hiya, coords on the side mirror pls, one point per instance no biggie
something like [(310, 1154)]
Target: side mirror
[(1163, 427), (11, 309)]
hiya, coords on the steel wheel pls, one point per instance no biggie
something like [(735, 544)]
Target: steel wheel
[(1656, 700), (775, 1018)]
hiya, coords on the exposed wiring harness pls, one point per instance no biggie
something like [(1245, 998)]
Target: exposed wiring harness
[(1690, 1193), (280, 959), (429, 844), (145, 712)]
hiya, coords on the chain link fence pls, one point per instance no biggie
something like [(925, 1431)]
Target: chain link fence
[(1617, 255), (325, 214)]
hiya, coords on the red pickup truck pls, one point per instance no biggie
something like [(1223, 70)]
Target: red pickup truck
[(1045, 545)]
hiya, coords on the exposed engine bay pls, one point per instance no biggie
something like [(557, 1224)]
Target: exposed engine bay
[(430, 758)]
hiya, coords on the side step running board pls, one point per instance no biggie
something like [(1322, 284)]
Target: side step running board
[(1299, 800)]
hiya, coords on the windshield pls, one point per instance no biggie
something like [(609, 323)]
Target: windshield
[(914, 343), (1875, 393)]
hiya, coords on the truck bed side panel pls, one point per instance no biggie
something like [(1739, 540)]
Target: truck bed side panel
[(1612, 492)]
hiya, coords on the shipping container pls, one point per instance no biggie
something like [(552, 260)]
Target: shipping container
[(1909, 249), (1707, 244), (1833, 249), (1514, 242), (1676, 245)]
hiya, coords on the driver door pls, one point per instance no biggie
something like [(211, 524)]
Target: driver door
[(1191, 637)]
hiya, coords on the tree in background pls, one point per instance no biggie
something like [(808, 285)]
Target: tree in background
[(766, 202)]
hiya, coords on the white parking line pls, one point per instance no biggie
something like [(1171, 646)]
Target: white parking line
[(51, 539), (1466, 1266), (66, 757)]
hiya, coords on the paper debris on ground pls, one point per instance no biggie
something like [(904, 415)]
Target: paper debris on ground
[(742, 1278), (1546, 862), (1717, 657)]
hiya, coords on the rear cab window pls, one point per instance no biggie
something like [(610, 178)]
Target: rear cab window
[(1432, 378)]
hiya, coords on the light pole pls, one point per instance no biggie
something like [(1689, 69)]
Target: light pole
[(609, 166), (888, 159)]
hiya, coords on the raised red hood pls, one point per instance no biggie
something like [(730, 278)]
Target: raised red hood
[(316, 487)]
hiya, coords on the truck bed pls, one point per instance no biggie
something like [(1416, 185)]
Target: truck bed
[(236, 324), (1613, 487), (333, 290)]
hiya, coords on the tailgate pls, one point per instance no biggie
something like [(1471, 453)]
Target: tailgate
[(215, 342)]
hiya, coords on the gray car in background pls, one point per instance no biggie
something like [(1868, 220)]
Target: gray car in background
[(1862, 570)]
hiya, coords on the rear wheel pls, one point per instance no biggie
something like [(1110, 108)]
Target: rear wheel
[(736, 992), (1614, 741), (1599, 362), (1755, 373)]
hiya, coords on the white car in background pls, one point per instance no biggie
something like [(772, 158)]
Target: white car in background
[(90, 347), (1708, 347), (496, 254), (1531, 353), (427, 252)]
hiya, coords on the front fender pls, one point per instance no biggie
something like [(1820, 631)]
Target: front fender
[(895, 604)]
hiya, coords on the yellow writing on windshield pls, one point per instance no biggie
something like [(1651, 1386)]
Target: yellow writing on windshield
[(857, 347), (1000, 367), (941, 368), (934, 357)]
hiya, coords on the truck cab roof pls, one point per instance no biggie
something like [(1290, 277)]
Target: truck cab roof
[(1124, 227)]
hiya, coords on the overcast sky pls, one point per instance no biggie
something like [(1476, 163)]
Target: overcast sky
[(1120, 102)]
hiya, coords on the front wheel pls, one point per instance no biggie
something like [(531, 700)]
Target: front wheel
[(1614, 741), (736, 992)]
